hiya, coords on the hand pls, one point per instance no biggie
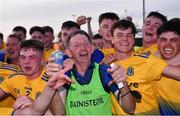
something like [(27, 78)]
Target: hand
[(68, 63), (59, 79), (81, 20), (52, 68), (118, 74), (108, 59), (88, 19), (22, 102)]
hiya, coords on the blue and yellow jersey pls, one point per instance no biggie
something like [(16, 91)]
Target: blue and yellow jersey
[(141, 50), (19, 85), (106, 51), (5, 71), (142, 71), (168, 96)]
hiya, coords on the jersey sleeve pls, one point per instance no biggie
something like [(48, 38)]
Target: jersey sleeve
[(106, 78), (5, 85)]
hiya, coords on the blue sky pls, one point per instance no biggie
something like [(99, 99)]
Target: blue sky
[(29, 13)]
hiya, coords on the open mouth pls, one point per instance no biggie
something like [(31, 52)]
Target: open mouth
[(27, 68), (149, 34), (168, 50)]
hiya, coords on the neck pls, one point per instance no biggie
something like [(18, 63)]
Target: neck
[(81, 68), (147, 45), (122, 55), (107, 44)]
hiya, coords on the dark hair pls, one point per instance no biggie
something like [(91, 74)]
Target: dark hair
[(70, 24), (14, 36), (20, 28), (36, 28), (31, 43), (75, 33), (175, 20), (170, 26), (157, 15), (48, 29), (124, 24), (108, 15), (1, 36), (96, 36)]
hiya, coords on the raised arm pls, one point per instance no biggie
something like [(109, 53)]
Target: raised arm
[(123, 94)]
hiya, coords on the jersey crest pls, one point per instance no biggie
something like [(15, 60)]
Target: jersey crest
[(130, 71)]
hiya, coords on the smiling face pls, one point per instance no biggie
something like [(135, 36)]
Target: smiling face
[(105, 29), (123, 40), (150, 28), (80, 49), (30, 61), (169, 44)]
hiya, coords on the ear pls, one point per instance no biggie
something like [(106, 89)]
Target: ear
[(68, 52), (99, 31)]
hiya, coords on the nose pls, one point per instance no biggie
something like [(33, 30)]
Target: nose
[(26, 60)]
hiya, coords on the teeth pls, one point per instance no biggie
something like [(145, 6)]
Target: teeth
[(168, 49), (149, 34)]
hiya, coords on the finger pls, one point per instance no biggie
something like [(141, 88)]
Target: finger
[(51, 59), (110, 82)]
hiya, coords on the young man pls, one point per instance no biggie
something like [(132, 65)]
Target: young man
[(152, 22), (20, 32), (97, 41), (142, 70), (106, 21), (30, 83), (67, 28), (90, 93), (49, 37), (169, 48)]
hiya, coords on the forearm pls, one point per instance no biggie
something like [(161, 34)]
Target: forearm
[(56, 106), (125, 99), (172, 72), (41, 104), (89, 30)]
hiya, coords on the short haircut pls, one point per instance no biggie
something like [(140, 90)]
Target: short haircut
[(31, 43), (175, 20), (75, 33), (20, 28), (1, 37), (69, 24), (157, 15), (170, 26), (36, 28), (124, 24), (108, 15), (48, 29), (96, 36), (14, 36)]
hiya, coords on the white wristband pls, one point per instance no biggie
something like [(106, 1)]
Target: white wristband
[(120, 84)]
